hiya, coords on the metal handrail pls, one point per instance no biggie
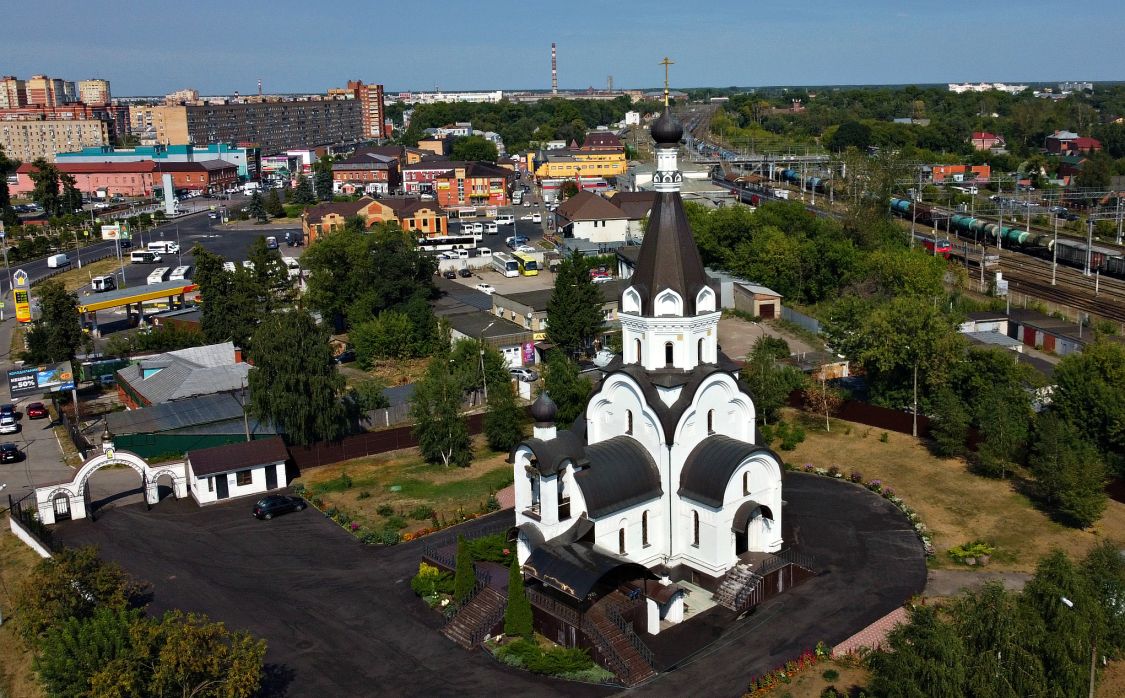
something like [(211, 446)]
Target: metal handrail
[(477, 636), (559, 610), (616, 662), (626, 629)]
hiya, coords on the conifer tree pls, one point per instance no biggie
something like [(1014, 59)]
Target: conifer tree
[(502, 421), (574, 313), (517, 617), (464, 578)]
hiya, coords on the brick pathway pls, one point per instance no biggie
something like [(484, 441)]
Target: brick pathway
[(873, 636), (507, 497)]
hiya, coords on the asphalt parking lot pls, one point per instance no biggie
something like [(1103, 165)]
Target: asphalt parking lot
[(341, 620)]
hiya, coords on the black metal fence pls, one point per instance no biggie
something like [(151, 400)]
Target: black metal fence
[(81, 444), (27, 516)]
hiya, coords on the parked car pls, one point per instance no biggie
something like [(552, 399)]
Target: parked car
[(8, 410), (36, 410), (449, 274), (107, 380), (526, 248), (274, 504), (8, 425), (465, 272), (344, 357), (527, 204), (486, 288), (10, 453), (526, 217), (526, 375)]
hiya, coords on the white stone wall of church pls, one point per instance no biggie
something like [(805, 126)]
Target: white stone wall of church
[(683, 333), (607, 531), (607, 415), (706, 553)]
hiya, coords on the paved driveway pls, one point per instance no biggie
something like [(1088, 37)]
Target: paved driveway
[(341, 620)]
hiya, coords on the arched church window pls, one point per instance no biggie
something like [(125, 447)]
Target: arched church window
[(629, 421), (695, 528), (669, 353), (621, 540), (644, 529), (639, 358), (746, 482), (701, 351), (710, 421)]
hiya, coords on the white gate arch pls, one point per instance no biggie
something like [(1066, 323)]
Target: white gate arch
[(76, 493)]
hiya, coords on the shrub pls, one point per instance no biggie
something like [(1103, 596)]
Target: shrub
[(389, 536), (856, 476), (493, 503), (492, 548), (971, 551), (553, 662), (884, 437), (431, 581), (364, 495), (385, 510), (830, 674), (421, 512), (464, 579), (396, 523)]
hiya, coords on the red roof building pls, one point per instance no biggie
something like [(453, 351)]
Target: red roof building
[(208, 176), (94, 178), (983, 140)]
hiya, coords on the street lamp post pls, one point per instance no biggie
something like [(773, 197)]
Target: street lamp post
[(1093, 648), (480, 346)]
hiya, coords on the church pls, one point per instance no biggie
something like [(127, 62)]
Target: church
[(658, 492)]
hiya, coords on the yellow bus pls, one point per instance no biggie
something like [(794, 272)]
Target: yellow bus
[(529, 266)]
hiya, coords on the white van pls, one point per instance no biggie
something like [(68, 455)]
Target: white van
[(58, 261), (158, 275), (293, 266), (490, 228), (484, 252), (101, 284), (163, 247), (505, 219), (180, 273)]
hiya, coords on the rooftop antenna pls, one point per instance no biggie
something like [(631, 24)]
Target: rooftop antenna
[(666, 63), (554, 71)]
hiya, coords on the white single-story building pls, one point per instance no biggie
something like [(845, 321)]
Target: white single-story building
[(590, 217), (237, 470)]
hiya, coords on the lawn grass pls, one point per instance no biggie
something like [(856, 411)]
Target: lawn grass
[(19, 341), (406, 484), (957, 505), (75, 278), (16, 562)]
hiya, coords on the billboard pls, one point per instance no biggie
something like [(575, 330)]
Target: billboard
[(111, 232), (39, 379)]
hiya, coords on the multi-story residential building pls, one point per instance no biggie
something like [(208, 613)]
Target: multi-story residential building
[(431, 97), (460, 129), (273, 125), (371, 170), (13, 92), (458, 184), (208, 176), (94, 91), (46, 91), (27, 139), (97, 178), (246, 158), (181, 96), (371, 100)]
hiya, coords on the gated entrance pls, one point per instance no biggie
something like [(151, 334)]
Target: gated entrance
[(71, 500)]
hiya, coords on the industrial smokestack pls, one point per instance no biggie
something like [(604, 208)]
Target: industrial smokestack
[(554, 71), (259, 87)]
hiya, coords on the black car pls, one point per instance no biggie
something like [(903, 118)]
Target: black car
[(8, 410), (465, 272), (10, 453), (125, 244), (274, 504), (449, 274), (345, 357)]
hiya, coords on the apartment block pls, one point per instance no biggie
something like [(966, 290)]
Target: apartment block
[(370, 98), (94, 91), (13, 92), (45, 91), (28, 139)]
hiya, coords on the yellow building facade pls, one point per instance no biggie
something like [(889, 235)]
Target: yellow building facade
[(569, 164)]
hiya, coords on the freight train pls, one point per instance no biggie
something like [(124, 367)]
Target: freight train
[(1068, 251)]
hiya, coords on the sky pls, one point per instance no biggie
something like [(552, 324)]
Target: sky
[(157, 46)]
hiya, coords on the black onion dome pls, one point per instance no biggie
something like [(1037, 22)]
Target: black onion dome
[(666, 130), (544, 408)]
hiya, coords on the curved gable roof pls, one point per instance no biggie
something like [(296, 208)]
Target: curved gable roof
[(550, 455), (711, 464), (621, 474)]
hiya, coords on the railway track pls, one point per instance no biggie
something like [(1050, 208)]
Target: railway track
[(1031, 276)]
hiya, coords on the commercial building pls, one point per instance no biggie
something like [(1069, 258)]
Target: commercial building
[(601, 155), (431, 97), (590, 217), (184, 425), (182, 374), (961, 173), (207, 176), (28, 139), (458, 184), (274, 126), (101, 179), (246, 158), (94, 91), (411, 214), (371, 170), (237, 470)]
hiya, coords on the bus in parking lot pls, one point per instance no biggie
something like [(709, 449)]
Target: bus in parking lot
[(505, 264), (528, 264)]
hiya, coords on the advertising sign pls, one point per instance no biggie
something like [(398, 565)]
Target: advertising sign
[(21, 292), (111, 232), (38, 379), (528, 353)]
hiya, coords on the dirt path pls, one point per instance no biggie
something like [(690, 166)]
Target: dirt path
[(953, 582)]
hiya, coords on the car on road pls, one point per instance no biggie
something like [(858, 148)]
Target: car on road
[(8, 425), (526, 248), (536, 218), (212, 215), (10, 453), (36, 410), (526, 217), (526, 375), (486, 288), (274, 504), (527, 204), (514, 240)]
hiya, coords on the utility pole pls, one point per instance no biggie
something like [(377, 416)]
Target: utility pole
[(1089, 244)]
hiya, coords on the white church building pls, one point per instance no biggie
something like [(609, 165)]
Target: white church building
[(660, 480)]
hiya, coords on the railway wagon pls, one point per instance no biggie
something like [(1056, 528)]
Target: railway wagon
[(1073, 253)]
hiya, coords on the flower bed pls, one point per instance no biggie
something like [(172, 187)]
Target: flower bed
[(885, 491), (572, 664), (761, 685)]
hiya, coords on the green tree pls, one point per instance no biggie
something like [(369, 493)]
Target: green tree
[(303, 194), (71, 584), (770, 382), (1088, 394), (46, 191), (71, 199), (949, 426), (257, 208), (1070, 473), (568, 189), (908, 272), (566, 387), (1104, 570), (322, 178), (442, 434), (56, 335), (474, 368), (8, 167), (464, 576), (924, 658), (233, 301), (517, 616), (1096, 172), (475, 148), (293, 382), (503, 420), (387, 336), (72, 652), (1000, 638), (574, 313), (269, 275), (273, 205), (850, 134)]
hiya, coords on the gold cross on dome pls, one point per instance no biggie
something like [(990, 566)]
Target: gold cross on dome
[(666, 63)]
